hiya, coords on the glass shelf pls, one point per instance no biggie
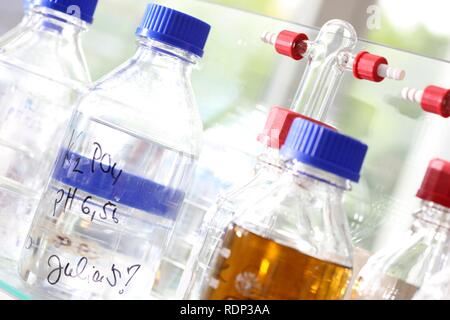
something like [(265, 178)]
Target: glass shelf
[(11, 288)]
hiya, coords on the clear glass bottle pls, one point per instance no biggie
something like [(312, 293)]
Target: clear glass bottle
[(42, 69), (122, 174), (291, 240), (398, 271)]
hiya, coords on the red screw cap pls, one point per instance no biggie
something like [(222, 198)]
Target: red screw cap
[(278, 125), (291, 44), (436, 183), (366, 66), (436, 100)]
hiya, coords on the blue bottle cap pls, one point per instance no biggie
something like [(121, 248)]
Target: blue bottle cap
[(324, 149), (82, 9), (174, 28)]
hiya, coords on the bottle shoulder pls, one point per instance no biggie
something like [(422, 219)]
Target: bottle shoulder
[(144, 80), (263, 176), (301, 217), (51, 54), (148, 104)]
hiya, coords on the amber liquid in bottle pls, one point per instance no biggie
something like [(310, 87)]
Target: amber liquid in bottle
[(251, 267)]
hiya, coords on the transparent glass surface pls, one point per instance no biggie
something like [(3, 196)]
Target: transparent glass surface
[(401, 137), (241, 78)]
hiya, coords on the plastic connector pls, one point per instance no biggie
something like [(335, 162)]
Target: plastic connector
[(374, 68), (433, 99), (436, 100), (288, 43), (436, 183), (277, 127), (278, 124)]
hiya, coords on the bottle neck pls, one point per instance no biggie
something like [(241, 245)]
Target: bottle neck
[(51, 21), (160, 54), (270, 157), (305, 171), (432, 216)]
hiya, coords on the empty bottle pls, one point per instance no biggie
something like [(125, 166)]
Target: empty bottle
[(291, 239), (397, 272), (42, 69), (123, 170)]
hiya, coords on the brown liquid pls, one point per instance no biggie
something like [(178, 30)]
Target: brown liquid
[(261, 269)]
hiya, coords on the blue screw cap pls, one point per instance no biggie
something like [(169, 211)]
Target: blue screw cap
[(325, 149), (174, 28), (82, 9)]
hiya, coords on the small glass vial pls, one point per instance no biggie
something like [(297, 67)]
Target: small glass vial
[(397, 272), (123, 170), (291, 240)]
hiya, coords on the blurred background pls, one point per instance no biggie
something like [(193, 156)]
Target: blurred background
[(240, 78)]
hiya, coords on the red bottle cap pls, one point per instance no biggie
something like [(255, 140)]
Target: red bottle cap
[(366, 66), (436, 183), (436, 100), (291, 44), (278, 125)]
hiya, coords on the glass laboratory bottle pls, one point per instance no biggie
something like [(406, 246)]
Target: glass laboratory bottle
[(291, 241), (121, 177), (397, 272), (42, 68), (268, 169)]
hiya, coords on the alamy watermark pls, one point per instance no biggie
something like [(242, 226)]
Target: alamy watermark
[(74, 10), (374, 19)]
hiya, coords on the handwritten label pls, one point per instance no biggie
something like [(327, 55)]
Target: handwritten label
[(100, 160), (84, 271), (87, 205), (104, 162), (74, 163), (60, 240)]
